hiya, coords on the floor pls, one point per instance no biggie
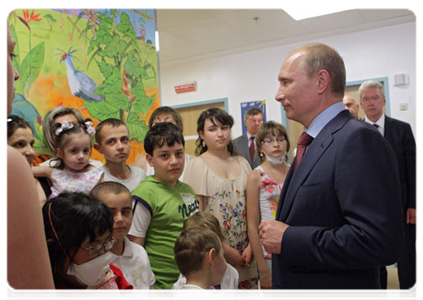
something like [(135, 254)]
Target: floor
[(393, 286)]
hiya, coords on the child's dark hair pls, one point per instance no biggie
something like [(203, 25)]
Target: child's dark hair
[(161, 134), (111, 122), (109, 187), (203, 219), (68, 220), (213, 114), (62, 132), (271, 128), (14, 123), (166, 110), (192, 246)]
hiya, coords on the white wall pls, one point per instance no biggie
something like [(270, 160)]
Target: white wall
[(252, 76)]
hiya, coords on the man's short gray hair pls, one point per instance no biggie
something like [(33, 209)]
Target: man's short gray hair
[(371, 84)]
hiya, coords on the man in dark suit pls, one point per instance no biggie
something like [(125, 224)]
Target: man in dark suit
[(339, 215), (400, 136), (245, 144)]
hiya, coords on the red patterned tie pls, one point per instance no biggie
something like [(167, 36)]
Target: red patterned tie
[(252, 148), (302, 144)]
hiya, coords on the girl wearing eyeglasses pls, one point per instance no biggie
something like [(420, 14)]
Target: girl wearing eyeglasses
[(264, 185), (79, 229)]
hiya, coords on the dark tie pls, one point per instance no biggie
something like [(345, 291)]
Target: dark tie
[(252, 149), (375, 125), (302, 144)]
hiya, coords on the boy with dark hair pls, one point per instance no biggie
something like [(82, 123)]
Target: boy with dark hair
[(130, 258), (162, 202), (113, 141)]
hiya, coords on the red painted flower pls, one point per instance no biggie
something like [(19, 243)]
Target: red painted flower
[(28, 18), (227, 225), (126, 87), (244, 214)]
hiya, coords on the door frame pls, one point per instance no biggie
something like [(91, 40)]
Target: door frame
[(199, 103)]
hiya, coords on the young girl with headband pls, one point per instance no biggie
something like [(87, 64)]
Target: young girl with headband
[(73, 172)]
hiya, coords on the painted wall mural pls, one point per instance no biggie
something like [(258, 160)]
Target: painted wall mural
[(102, 62)]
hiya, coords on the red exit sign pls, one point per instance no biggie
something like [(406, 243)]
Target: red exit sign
[(186, 87)]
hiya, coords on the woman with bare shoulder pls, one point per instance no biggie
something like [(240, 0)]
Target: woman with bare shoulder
[(28, 265)]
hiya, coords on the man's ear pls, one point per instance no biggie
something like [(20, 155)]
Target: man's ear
[(149, 159), (97, 147), (323, 81)]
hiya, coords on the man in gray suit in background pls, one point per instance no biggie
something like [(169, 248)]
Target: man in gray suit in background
[(245, 144)]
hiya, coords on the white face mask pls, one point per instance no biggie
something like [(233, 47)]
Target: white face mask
[(275, 160), (92, 272)]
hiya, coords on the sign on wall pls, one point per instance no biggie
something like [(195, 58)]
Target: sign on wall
[(261, 104), (102, 62)]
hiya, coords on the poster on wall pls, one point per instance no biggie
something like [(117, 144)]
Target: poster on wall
[(102, 62), (261, 104)]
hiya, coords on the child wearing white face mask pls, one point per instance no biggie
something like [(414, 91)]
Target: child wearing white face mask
[(78, 229), (264, 185)]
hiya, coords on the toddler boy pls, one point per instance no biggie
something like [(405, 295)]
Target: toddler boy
[(162, 202), (112, 140), (131, 258)]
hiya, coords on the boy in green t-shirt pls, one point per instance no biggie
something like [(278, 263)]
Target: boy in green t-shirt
[(162, 202)]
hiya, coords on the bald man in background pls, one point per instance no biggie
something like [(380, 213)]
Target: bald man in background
[(351, 105)]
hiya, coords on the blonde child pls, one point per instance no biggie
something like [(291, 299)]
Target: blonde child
[(130, 258), (72, 172), (264, 186), (209, 221), (199, 256), (79, 229), (219, 178)]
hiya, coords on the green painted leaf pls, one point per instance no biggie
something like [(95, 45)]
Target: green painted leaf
[(136, 127), (125, 26), (31, 66)]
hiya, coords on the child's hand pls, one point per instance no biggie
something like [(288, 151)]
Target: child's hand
[(265, 280), (247, 255), (232, 256)]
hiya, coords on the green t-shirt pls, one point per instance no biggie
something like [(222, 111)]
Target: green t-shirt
[(169, 207)]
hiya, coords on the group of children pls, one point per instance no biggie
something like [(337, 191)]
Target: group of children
[(159, 231)]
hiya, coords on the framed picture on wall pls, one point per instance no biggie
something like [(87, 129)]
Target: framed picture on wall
[(260, 104)]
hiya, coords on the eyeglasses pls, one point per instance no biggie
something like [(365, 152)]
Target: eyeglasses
[(272, 140), (95, 249), (255, 121)]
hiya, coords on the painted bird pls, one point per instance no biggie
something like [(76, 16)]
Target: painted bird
[(80, 84)]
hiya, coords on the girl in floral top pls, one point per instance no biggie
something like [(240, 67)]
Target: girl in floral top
[(264, 186), (73, 172), (219, 177)]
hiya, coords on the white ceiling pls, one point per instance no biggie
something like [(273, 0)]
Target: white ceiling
[(193, 34)]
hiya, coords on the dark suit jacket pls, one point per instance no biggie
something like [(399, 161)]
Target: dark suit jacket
[(241, 146), (343, 209), (400, 136)]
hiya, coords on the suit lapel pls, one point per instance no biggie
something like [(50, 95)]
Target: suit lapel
[(314, 151), (246, 148), (389, 128)]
